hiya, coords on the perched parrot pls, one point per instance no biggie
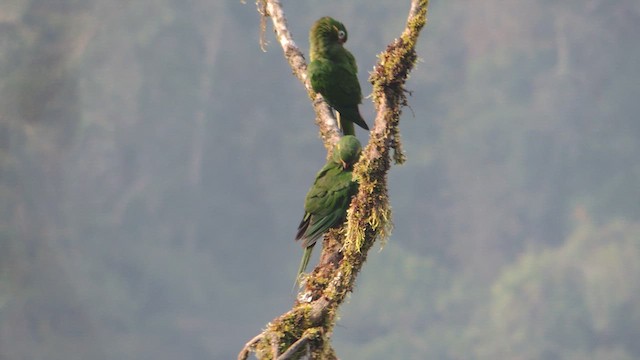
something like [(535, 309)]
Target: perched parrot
[(333, 72), (329, 197)]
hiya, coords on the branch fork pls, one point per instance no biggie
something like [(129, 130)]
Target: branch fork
[(306, 329)]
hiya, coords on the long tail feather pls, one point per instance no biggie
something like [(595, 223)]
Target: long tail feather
[(345, 125), (303, 264), (347, 117)]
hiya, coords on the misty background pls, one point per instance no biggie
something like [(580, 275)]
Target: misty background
[(154, 163)]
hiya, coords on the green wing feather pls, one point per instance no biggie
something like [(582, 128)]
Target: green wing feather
[(327, 202), (329, 197), (338, 84), (333, 73)]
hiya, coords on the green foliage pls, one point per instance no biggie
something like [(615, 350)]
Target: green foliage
[(570, 300)]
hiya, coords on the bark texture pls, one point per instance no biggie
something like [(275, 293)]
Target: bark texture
[(305, 330)]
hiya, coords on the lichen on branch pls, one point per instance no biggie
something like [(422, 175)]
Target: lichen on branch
[(306, 329)]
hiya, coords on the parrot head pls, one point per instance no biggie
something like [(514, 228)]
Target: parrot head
[(347, 151), (330, 29)]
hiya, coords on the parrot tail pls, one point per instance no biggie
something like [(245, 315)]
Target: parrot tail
[(303, 264), (348, 117)]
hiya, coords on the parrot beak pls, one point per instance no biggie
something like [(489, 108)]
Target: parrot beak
[(344, 164)]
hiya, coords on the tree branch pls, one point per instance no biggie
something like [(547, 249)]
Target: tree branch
[(295, 348), (324, 116), (309, 324), (249, 346)]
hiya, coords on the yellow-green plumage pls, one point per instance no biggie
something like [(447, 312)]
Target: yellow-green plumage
[(328, 199), (333, 72)]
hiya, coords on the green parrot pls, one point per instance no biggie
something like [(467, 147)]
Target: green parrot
[(333, 72), (329, 197)]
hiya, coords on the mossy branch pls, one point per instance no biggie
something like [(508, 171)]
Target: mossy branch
[(305, 330)]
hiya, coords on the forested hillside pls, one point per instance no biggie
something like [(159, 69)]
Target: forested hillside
[(154, 163)]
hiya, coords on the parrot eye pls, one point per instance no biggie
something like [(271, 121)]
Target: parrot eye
[(341, 34)]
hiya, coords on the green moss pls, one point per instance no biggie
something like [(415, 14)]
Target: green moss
[(286, 330), (368, 217)]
